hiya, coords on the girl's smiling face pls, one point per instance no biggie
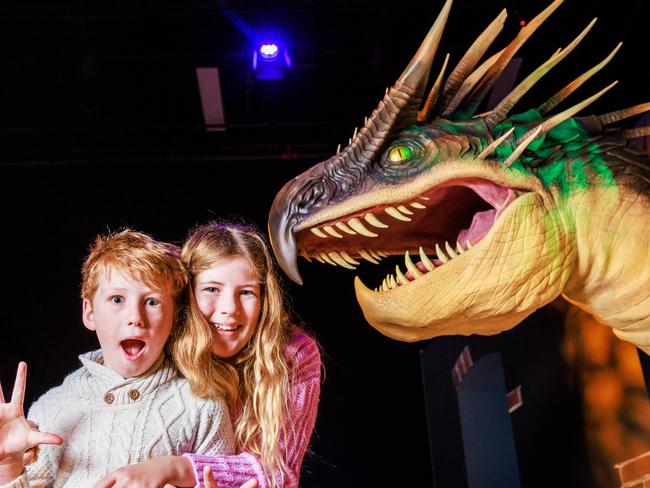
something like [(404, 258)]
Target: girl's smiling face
[(228, 296)]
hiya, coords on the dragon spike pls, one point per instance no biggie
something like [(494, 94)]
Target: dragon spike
[(471, 58), (469, 84), (494, 144), (490, 78), (416, 74), (556, 99), (636, 132), (612, 117), (530, 137), (423, 114), (501, 110), (548, 124), (399, 106)]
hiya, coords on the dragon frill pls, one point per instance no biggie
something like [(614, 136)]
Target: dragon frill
[(496, 215)]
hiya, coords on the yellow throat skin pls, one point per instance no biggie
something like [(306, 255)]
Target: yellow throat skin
[(611, 280)]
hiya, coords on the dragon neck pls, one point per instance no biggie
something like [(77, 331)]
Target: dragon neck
[(611, 279)]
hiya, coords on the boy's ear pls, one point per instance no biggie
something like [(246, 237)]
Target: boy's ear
[(87, 314)]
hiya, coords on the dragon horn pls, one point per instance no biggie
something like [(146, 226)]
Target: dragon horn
[(423, 114), (552, 102), (636, 132), (548, 124), (471, 58), (501, 110), (490, 78), (469, 83), (400, 104), (612, 117)]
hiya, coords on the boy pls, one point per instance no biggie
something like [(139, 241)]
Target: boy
[(126, 403)]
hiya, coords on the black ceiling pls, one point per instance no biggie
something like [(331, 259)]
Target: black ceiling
[(97, 80)]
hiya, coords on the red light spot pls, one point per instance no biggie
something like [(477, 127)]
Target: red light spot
[(522, 23)]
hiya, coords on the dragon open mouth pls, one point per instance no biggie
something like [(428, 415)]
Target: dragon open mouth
[(436, 226)]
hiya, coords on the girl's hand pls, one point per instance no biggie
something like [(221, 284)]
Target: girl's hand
[(209, 482), (16, 434), (159, 472)]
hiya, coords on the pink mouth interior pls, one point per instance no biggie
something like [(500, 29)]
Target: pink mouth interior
[(132, 346)]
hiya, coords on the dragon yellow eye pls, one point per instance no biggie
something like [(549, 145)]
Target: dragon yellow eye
[(400, 153)]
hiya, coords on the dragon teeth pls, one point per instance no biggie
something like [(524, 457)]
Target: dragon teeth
[(364, 254), (450, 250), (358, 226), (413, 269), (316, 231), (342, 226), (326, 258), (375, 255), (425, 260), (332, 231), (459, 248), (349, 258), (401, 279), (404, 210), (374, 221), (418, 205), (393, 212), (338, 259), (441, 255)]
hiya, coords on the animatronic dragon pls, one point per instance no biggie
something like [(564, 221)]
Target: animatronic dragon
[(496, 214)]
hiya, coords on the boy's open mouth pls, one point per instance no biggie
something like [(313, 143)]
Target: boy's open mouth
[(132, 348)]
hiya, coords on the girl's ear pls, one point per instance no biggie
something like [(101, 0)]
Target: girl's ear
[(87, 314)]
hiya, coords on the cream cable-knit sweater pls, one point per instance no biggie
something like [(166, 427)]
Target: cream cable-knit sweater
[(108, 422)]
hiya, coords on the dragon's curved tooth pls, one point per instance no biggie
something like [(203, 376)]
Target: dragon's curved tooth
[(317, 256), (364, 254), (401, 279), (413, 269), (342, 226), (375, 254), (354, 135), (441, 255), (392, 283), (404, 210), (358, 226), (459, 248), (450, 250), (425, 260), (331, 231), (349, 141), (393, 212), (336, 257), (326, 258), (316, 231), (383, 286), (417, 205), (365, 120), (338, 149), (374, 221), (348, 258), (382, 254), (468, 244), (307, 257), (423, 198)]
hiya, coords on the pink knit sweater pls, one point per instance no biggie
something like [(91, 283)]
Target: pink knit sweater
[(304, 363)]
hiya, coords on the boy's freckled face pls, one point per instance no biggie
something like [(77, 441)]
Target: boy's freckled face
[(132, 320)]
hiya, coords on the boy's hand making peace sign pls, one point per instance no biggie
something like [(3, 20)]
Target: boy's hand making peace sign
[(16, 434)]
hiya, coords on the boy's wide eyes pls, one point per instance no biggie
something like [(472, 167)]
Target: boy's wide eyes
[(117, 299), (152, 302)]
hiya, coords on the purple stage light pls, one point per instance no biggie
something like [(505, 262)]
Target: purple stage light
[(269, 51)]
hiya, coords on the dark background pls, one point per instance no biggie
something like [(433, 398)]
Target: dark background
[(101, 127)]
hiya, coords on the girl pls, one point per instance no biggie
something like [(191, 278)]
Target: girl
[(237, 342)]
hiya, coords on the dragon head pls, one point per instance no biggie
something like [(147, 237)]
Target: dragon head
[(473, 205)]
